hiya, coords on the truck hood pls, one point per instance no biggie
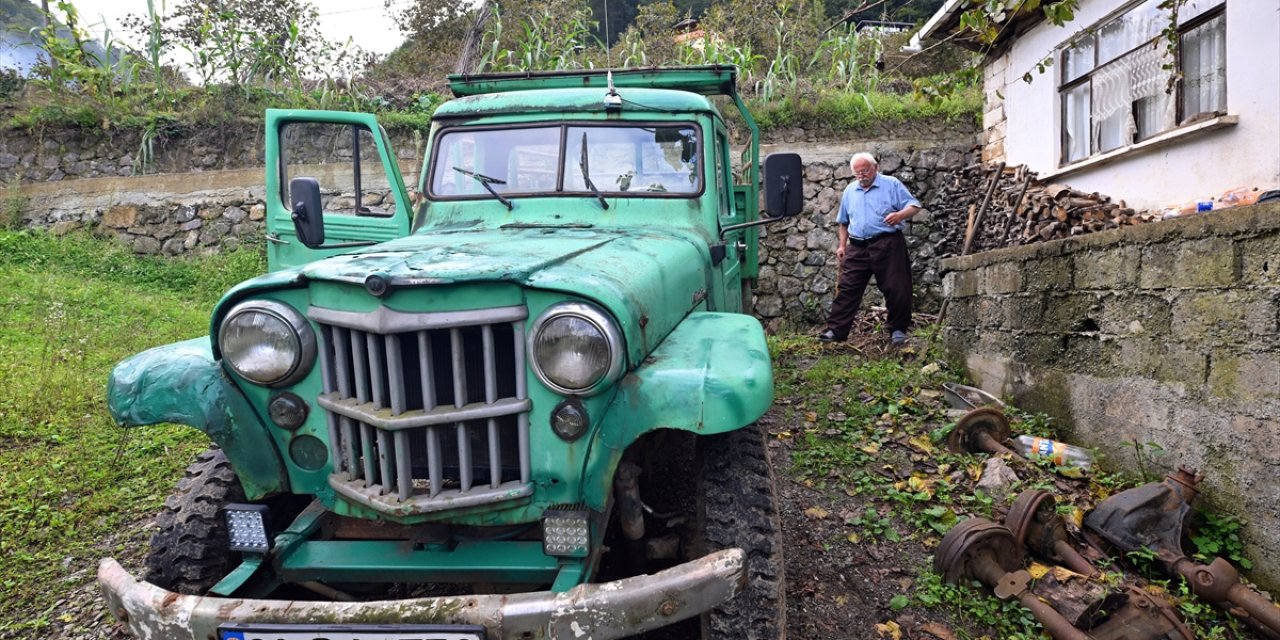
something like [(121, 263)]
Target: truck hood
[(649, 279)]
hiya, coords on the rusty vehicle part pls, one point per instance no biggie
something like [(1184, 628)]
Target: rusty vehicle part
[(605, 610), (1081, 600), (963, 396), (1154, 516), (983, 429), (1036, 526), (1143, 616), (985, 551), (1133, 614)]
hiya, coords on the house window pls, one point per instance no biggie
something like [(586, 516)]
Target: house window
[(1115, 87)]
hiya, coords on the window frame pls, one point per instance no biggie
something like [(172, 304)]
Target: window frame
[(1064, 87), (564, 126)]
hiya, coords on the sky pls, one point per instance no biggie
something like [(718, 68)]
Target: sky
[(367, 21)]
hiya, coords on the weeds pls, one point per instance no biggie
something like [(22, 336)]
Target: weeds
[(70, 480), (15, 201)]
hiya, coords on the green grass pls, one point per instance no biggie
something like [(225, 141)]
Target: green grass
[(859, 111), (70, 308)]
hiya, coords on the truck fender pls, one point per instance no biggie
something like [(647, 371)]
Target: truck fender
[(711, 374), (182, 383)]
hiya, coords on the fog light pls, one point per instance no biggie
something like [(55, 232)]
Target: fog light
[(566, 533), (569, 420), (248, 528), (287, 410)]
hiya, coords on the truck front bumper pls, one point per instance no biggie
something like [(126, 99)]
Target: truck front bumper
[(598, 611)]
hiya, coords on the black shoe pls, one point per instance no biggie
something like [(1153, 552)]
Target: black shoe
[(829, 336)]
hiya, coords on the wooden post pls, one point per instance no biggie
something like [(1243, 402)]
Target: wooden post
[(975, 223)]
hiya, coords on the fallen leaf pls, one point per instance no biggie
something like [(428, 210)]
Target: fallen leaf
[(842, 600), (1076, 517), (854, 538), (811, 416), (1063, 574), (975, 472), (816, 513), (938, 631), (920, 483), (889, 629), (782, 435), (871, 447), (1038, 570), (922, 444)]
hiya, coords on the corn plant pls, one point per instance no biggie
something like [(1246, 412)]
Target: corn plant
[(848, 60), (543, 41)]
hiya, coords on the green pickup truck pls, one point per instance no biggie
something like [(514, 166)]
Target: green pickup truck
[(519, 403)]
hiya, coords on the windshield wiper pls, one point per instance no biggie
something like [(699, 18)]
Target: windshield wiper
[(586, 174), (487, 182)]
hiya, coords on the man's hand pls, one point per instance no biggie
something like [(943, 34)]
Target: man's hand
[(840, 252), (898, 216)]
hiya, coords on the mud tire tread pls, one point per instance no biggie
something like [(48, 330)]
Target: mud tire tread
[(738, 507), (188, 552)]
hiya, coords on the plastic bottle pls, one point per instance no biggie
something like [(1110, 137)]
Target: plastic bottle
[(1061, 453)]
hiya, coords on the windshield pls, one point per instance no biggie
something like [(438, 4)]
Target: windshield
[(633, 160)]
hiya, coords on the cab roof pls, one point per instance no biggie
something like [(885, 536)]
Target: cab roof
[(634, 99)]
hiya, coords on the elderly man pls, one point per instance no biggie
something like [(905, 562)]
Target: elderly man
[(873, 211)]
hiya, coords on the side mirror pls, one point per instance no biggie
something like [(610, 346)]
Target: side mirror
[(308, 213), (783, 184)]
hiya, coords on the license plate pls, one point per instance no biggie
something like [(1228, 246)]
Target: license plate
[(236, 631)]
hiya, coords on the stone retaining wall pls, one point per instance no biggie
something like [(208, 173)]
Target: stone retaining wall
[(798, 264), (1166, 333)]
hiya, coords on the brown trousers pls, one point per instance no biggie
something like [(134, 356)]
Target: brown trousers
[(885, 258)]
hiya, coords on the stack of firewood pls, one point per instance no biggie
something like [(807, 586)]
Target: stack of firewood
[(989, 207)]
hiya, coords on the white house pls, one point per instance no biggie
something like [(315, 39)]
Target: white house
[(1114, 112)]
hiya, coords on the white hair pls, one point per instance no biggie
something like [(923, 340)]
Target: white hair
[(863, 155)]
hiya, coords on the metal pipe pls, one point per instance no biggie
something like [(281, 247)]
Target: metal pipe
[(1219, 583), (1074, 560)]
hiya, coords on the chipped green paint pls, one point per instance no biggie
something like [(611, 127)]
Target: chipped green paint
[(712, 374), (182, 383)]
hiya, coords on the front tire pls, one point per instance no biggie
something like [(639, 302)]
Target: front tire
[(738, 507), (189, 552)]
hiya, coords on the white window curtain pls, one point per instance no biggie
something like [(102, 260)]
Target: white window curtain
[(1129, 94), (1204, 68), (1077, 123)]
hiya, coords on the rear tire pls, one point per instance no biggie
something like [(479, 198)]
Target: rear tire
[(738, 507), (189, 552)]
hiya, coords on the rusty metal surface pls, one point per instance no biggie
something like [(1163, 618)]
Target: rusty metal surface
[(1219, 583), (1155, 516), (1036, 526), (599, 611), (972, 546), (1151, 516), (1143, 618), (983, 429)]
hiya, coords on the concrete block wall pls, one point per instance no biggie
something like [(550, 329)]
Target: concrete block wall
[(1165, 333)]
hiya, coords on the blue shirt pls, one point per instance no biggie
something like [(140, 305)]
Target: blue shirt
[(863, 210)]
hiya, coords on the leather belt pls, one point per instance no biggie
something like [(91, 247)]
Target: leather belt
[(866, 242)]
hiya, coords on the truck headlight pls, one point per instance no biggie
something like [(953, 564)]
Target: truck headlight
[(267, 342), (575, 348)]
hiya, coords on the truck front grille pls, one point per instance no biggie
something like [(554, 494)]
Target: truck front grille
[(426, 411)]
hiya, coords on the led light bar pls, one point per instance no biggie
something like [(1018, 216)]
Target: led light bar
[(248, 527), (566, 533)]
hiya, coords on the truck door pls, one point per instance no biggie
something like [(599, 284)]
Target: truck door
[(362, 192), (728, 213)]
